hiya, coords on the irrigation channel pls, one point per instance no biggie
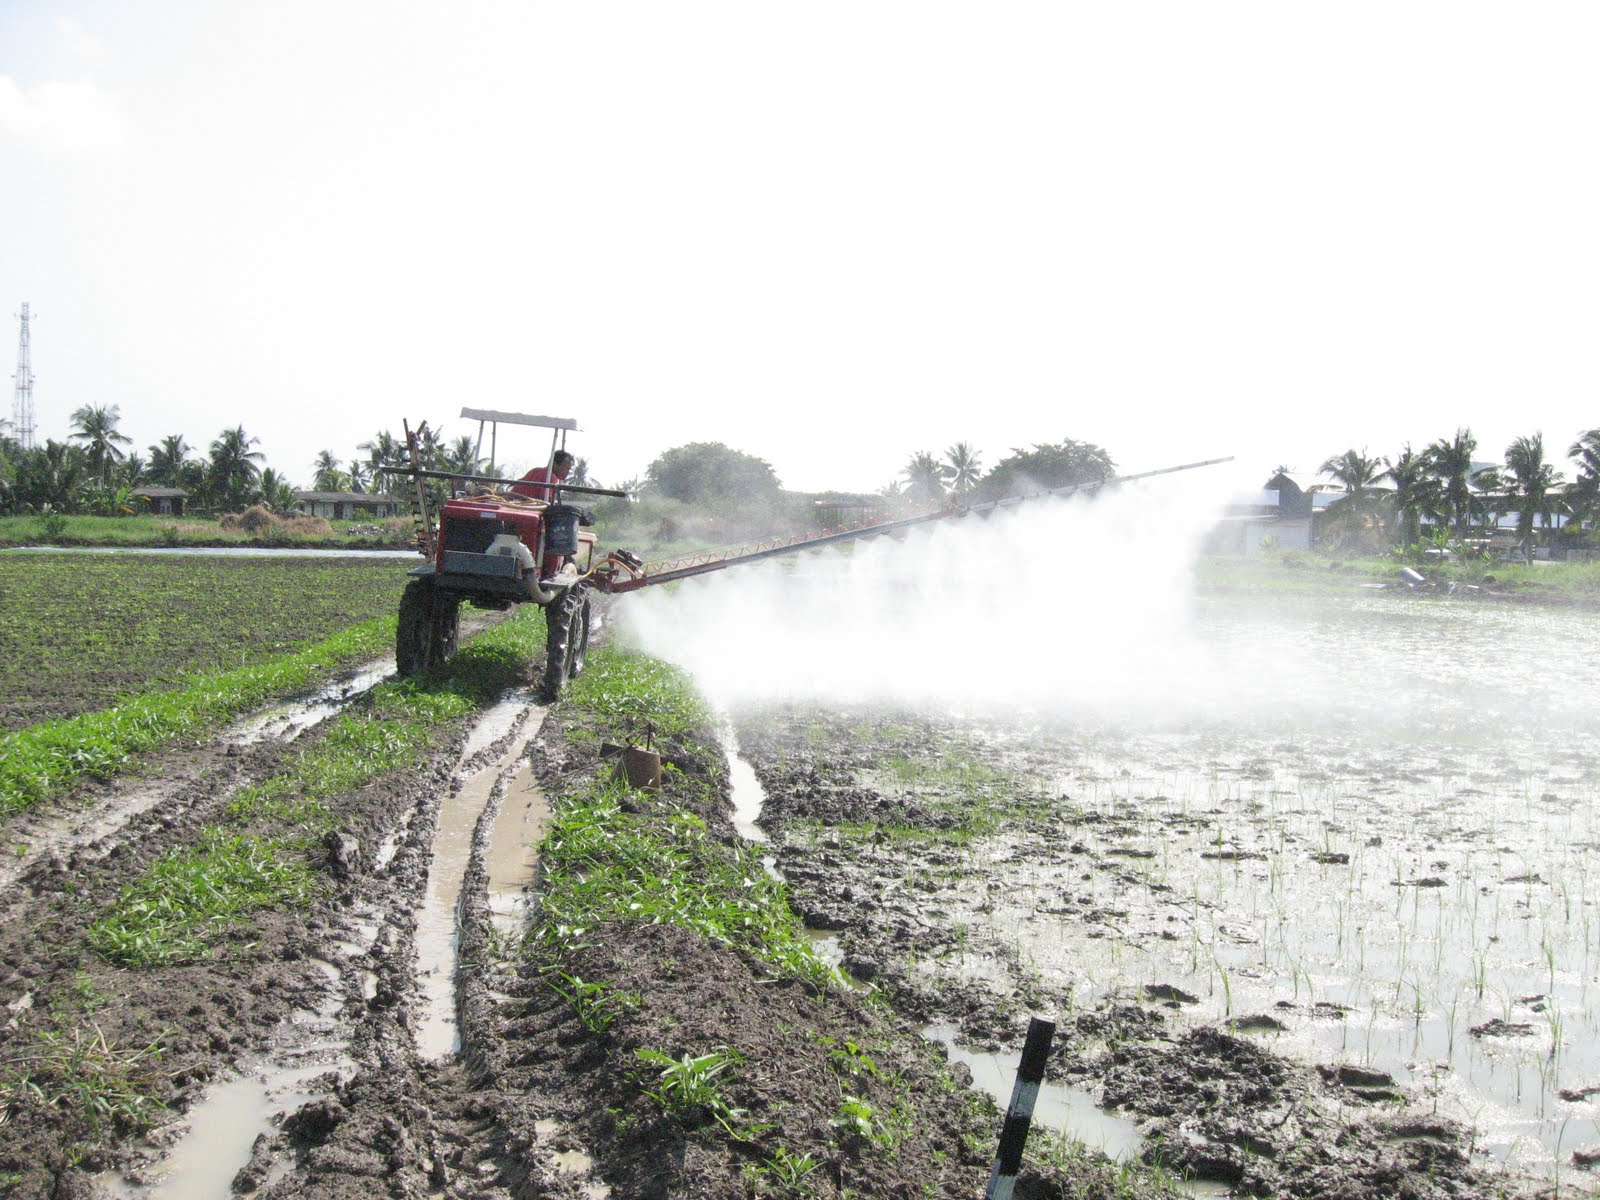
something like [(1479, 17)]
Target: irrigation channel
[(1357, 832)]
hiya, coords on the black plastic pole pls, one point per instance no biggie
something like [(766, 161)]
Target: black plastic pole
[(1019, 1116)]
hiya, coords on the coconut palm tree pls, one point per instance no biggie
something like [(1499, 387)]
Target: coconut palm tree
[(357, 474), (326, 474), (925, 476), (1583, 497), (96, 427), (1532, 479), (276, 492), (1356, 511), (383, 451), (1451, 464), (462, 456), (232, 472), (1416, 494), (965, 467), (167, 461)]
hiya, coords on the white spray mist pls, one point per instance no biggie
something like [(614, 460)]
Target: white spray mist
[(1077, 606)]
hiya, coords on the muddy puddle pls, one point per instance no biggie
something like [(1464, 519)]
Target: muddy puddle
[(288, 719), (1371, 847), (504, 794)]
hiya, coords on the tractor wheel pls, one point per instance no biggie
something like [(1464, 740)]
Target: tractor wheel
[(446, 623), (566, 623), (578, 639), (414, 635)]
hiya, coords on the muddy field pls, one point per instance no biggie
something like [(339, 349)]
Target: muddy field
[(1251, 944), (421, 1009), (1333, 942)]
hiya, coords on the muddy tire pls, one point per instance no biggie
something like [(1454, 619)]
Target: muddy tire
[(426, 632), (446, 624), (566, 623)]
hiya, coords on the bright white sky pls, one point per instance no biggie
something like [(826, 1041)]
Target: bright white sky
[(830, 234)]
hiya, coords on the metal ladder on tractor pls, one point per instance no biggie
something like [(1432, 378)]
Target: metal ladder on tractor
[(417, 497)]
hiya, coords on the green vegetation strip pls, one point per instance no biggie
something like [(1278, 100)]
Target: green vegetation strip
[(41, 760), (657, 864), (262, 859)]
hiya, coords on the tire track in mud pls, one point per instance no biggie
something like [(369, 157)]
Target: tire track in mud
[(85, 832), (383, 1035)]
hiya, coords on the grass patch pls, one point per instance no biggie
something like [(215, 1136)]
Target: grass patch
[(661, 867), (190, 895), (1310, 571), (76, 1067), (656, 862), (622, 693), (41, 760)]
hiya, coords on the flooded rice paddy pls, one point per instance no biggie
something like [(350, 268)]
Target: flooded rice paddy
[(1363, 828)]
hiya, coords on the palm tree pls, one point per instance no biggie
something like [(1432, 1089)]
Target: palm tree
[(1583, 497), (327, 477), (965, 467), (167, 461), (54, 476), (96, 427), (133, 470), (383, 450), (276, 492), (1532, 479), (357, 474), (1356, 472), (1416, 494), (925, 476), (462, 456), (232, 471), (1451, 464)]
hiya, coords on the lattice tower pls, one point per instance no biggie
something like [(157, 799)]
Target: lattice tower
[(22, 410)]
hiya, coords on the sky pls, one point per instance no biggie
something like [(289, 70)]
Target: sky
[(830, 234)]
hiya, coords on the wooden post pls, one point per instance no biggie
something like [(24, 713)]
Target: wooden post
[(1019, 1116)]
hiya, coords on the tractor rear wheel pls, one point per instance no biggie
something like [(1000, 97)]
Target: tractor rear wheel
[(566, 623), (426, 632)]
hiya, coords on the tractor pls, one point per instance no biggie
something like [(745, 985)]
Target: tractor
[(497, 543), (501, 542)]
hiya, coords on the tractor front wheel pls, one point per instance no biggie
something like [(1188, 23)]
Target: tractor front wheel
[(566, 624), (425, 635)]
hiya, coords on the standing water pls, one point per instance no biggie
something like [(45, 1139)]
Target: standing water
[(1367, 815)]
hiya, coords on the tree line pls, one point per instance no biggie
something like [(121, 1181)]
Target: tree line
[(94, 471), (1440, 487)]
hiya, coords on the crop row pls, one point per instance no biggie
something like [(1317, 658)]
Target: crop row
[(78, 631)]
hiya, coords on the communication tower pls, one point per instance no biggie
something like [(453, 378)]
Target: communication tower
[(22, 409)]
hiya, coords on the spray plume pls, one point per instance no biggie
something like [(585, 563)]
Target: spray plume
[(1072, 605)]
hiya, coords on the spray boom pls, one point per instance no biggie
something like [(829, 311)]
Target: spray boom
[(623, 572)]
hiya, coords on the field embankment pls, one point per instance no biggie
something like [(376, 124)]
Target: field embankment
[(1575, 583)]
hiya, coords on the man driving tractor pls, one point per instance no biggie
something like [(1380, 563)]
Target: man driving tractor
[(539, 483)]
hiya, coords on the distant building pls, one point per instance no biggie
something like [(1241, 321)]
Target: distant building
[(163, 501), (1280, 515), (345, 506)]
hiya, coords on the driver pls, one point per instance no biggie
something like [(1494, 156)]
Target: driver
[(538, 484)]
